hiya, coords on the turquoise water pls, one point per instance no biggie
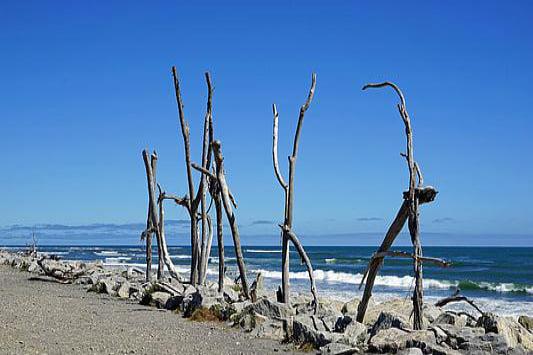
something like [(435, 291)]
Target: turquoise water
[(500, 279)]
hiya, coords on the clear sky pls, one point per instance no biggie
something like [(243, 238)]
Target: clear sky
[(85, 86)]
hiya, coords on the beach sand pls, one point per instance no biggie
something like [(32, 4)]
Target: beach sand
[(38, 317)]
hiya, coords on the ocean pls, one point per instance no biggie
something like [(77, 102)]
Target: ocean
[(498, 279)]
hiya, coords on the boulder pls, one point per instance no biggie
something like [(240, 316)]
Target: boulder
[(270, 309), (393, 340), (124, 290), (339, 348), (511, 330), (450, 318), (388, 320), (411, 351), (268, 328), (526, 322), (304, 333), (156, 299), (342, 323), (355, 334), (350, 307)]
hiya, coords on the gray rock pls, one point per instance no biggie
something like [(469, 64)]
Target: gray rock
[(388, 320), (190, 303), (34, 267), (124, 290), (512, 331), (355, 333), (350, 307), (270, 309), (305, 334), (411, 351), (339, 349), (393, 339), (449, 318), (268, 328), (526, 322), (156, 299), (342, 323)]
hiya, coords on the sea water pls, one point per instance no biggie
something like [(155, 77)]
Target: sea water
[(499, 279)]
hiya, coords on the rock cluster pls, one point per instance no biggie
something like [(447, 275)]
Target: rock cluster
[(331, 330)]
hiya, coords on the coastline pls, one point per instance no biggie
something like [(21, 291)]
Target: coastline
[(52, 317)]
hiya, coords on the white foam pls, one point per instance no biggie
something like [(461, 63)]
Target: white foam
[(344, 277), (106, 252)]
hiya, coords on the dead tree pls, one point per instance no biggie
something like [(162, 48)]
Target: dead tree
[(228, 202), (288, 189), (197, 199), (416, 195), (157, 219)]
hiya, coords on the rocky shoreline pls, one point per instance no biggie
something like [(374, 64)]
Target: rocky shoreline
[(331, 330)]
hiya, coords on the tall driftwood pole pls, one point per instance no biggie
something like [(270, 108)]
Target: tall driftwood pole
[(228, 202), (288, 189), (192, 206), (409, 210), (148, 235), (155, 215), (202, 189)]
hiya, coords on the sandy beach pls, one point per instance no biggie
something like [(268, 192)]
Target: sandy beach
[(49, 318)]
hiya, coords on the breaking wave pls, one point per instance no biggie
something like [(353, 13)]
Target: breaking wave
[(403, 282)]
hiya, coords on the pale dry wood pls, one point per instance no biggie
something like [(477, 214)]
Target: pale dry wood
[(202, 188), (191, 205), (305, 258), (226, 202), (155, 216), (288, 188), (413, 216)]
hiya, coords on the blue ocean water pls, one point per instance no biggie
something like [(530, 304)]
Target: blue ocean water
[(499, 279)]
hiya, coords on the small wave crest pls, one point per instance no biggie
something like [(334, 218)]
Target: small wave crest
[(261, 251)]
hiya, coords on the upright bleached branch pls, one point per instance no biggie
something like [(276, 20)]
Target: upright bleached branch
[(289, 196), (191, 205), (226, 202)]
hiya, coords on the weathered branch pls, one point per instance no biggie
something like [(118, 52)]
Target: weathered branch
[(226, 201), (457, 298), (275, 149), (403, 254), (413, 218), (289, 189), (299, 247), (192, 208)]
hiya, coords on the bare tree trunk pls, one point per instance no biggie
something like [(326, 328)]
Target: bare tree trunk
[(288, 188), (227, 203), (192, 206)]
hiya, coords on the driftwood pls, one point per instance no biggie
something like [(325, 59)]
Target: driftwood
[(158, 218), (458, 298), (228, 202), (409, 212), (192, 206), (202, 189), (148, 234), (299, 247), (288, 190)]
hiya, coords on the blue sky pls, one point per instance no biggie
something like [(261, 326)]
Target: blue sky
[(85, 86)]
